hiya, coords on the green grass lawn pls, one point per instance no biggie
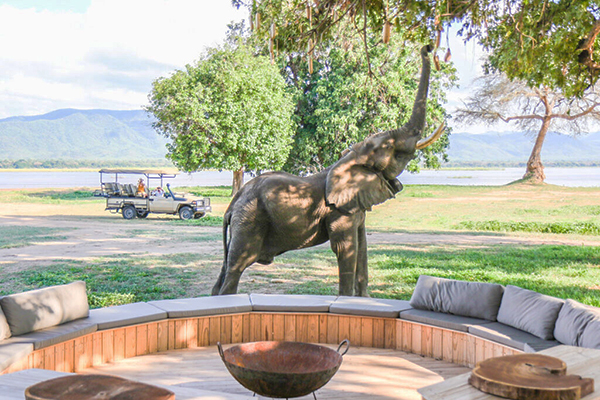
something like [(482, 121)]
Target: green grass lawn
[(19, 236)]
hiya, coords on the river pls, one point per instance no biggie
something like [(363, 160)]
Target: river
[(574, 177)]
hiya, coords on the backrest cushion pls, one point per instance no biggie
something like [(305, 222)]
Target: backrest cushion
[(4, 328), (469, 299), (529, 311), (43, 308), (591, 335), (572, 320)]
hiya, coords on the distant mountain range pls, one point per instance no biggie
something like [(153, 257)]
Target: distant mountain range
[(81, 134), (128, 135)]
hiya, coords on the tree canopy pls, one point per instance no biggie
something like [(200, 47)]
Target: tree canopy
[(339, 104), (541, 42), (229, 111)]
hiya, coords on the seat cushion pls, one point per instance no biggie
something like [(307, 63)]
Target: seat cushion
[(468, 299), (371, 307), (127, 314), (442, 320), (529, 311), (572, 321), (591, 335), (507, 335), (203, 306), (534, 347), (43, 308), (13, 352), (56, 334), (291, 303), (4, 327)]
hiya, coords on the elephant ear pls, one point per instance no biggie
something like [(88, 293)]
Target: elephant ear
[(352, 187)]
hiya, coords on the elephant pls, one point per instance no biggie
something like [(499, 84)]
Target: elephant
[(278, 212)]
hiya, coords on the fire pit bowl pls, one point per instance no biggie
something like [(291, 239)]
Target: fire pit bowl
[(282, 369)]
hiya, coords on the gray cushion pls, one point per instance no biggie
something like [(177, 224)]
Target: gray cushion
[(534, 347), (572, 320), (507, 335), (591, 335), (128, 314), (56, 334), (448, 321), (529, 311), (201, 306), (43, 308), (370, 307), (469, 299), (4, 328), (291, 303), (13, 352)]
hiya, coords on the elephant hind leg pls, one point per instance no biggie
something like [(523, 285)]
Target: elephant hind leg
[(243, 252)]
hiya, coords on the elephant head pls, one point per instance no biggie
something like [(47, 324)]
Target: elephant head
[(366, 174)]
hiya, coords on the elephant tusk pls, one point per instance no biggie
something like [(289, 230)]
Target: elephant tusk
[(421, 144)]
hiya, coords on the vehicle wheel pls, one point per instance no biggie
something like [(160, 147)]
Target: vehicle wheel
[(186, 213), (199, 215), (129, 212), (142, 214)]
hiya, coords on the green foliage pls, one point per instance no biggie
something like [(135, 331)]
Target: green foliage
[(229, 110), (207, 220), (581, 228), (107, 299), (65, 195), (339, 104)]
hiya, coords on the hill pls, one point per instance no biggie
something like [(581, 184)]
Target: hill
[(81, 134)]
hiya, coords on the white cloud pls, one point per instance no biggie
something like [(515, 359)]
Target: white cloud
[(106, 57)]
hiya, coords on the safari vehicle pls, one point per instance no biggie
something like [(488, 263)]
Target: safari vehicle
[(125, 198)]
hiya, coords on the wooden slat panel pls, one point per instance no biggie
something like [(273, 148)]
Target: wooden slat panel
[(38, 359), (59, 358), (119, 345), (417, 341), (214, 334), (255, 331), (355, 330), (96, 348), (237, 323), (246, 335), (141, 340), (458, 348), (192, 333), (333, 329), (171, 335), (399, 334), (226, 329), (343, 328), (69, 359), (378, 333), (266, 327), (108, 346), (89, 351), (479, 350), (203, 331), (470, 351), (407, 331), (130, 341), (278, 327), (290, 327), (302, 328), (426, 341), (447, 349), (366, 332), (162, 331), (322, 328), (488, 349), (389, 334), (497, 350), (437, 343), (49, 358), (152, 338), (180, 334), (78, 353), (313, 329)]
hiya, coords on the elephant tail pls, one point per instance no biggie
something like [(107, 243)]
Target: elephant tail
[(226, 223)]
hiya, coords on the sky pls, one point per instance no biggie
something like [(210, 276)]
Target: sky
[(105, 53)]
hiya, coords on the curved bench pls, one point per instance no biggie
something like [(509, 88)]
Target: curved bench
[(119, 332)]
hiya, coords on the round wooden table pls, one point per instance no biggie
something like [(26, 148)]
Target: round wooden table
[(98, 387)]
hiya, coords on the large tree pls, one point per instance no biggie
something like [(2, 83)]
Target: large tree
[(542, 42), (339, 104), (532, 109), (230, 110)]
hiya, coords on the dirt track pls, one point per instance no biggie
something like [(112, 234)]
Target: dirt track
[(87, 237)]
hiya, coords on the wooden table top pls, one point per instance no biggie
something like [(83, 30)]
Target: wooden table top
[(580, 361)]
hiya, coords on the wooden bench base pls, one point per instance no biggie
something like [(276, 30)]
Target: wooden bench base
[(116, 344)]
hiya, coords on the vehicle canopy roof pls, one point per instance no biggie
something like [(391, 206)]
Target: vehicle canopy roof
[(136, 171)]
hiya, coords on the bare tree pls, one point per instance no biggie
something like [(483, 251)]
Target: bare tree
[(531, 109)]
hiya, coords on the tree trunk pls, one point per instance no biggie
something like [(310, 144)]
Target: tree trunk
[(238, 181), (535, 170)]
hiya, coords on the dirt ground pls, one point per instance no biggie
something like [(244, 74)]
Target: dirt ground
[(88, 236)]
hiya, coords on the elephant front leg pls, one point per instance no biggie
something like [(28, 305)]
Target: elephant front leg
[(344, 245), (362, 265)]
